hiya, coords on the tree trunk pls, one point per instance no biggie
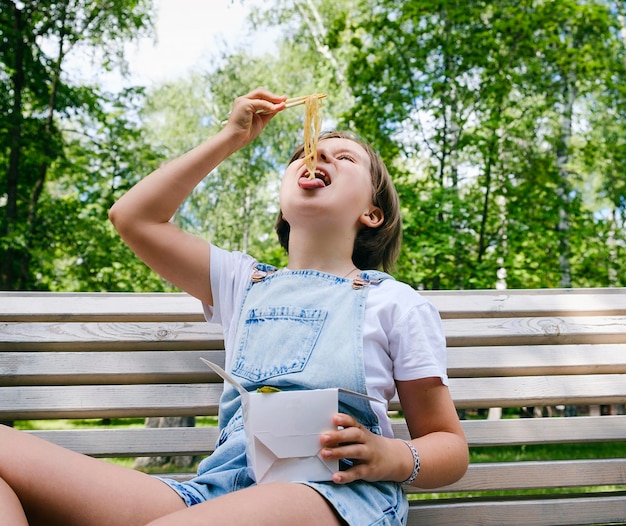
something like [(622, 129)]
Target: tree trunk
[(564, 187)]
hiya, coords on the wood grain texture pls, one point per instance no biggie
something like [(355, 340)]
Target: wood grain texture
[(535, 331), (536, 360), (531, 302), (176, 441), (97, 336), (112, 306), (108, 401), (95, 306), (108, 367), (538, 390), (533, 431)]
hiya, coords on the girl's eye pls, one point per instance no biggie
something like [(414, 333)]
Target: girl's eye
[(346, 157)]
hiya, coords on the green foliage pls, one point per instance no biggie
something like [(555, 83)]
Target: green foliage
[(74, 246), (503, 125), (37, 100), (488, 106)]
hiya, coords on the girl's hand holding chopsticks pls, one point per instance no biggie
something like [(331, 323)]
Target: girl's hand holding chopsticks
[(290, 103)]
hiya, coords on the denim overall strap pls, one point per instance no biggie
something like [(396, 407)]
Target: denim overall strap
[(302, 330)]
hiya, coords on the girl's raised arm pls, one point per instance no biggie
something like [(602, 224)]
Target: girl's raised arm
[(142, 216)]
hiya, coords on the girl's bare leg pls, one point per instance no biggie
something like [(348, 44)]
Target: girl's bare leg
[(277, 504), (10, 508), (56, 486)]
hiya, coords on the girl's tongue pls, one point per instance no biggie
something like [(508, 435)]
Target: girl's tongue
[(310, 184)]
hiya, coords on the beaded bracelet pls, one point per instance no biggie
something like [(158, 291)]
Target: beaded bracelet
[(416, 463)]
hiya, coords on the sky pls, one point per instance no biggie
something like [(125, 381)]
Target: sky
[(188, 31)]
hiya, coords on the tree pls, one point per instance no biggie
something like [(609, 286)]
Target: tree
[(482, 110), (74, 247), (38, 38)]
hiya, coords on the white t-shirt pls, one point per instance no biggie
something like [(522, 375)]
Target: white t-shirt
[(402, 332)]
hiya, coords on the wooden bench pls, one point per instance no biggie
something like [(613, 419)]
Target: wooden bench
[(105, 355)]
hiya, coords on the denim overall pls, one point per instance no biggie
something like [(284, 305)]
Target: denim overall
[(299, 330)]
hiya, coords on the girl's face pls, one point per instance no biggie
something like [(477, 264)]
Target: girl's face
[(340, 194)]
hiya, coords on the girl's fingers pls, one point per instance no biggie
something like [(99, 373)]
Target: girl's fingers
[(257, 107), (344, 420), (263, 101)]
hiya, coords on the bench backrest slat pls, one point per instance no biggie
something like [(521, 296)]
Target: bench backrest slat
[(201, 440), (107, 307), (60, 336), (108, 401), (195, 335), (553, 474), (185, 366), (43, 306), (108, 367), (529, 303), (538, 390), (535, 331), (99, 401), (536, 360)]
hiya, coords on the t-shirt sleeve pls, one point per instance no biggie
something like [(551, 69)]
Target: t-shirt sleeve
[(230, 274), (418, 345)]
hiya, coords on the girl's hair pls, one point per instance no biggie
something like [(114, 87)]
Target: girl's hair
[(374, 248)]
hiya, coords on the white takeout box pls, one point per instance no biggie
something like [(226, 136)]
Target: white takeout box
[(283, 431)]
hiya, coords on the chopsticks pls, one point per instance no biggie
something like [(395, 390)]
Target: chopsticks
[(293, 102), (296, 101)]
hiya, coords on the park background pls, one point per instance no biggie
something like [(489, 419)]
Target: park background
[(503, 124)]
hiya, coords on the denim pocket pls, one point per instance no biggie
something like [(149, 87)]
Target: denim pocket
[(276, 341)]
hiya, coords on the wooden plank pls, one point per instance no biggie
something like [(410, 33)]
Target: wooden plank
[(98, 306), (530, 431), (59, 367), (86, 336), (83, 368), (590, 509), (189, 335), (531, 302), (471, 393), (201, 440), (477, 471), (536, 360), (515, 476), (111, 443), (535, 331), (107, 367), (99, 401), (113, 306), (108, 401)]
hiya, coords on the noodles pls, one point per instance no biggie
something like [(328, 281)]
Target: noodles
[(312, 126)]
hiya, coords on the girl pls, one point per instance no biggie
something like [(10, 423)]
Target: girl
[(330, 319)]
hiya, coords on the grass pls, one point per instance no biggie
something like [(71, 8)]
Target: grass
[(126, 423), (549, 452)]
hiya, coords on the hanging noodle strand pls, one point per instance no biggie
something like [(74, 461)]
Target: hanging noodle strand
[(312, 127)]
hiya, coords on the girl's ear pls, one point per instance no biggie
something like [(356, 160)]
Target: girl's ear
[(373, 218)]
